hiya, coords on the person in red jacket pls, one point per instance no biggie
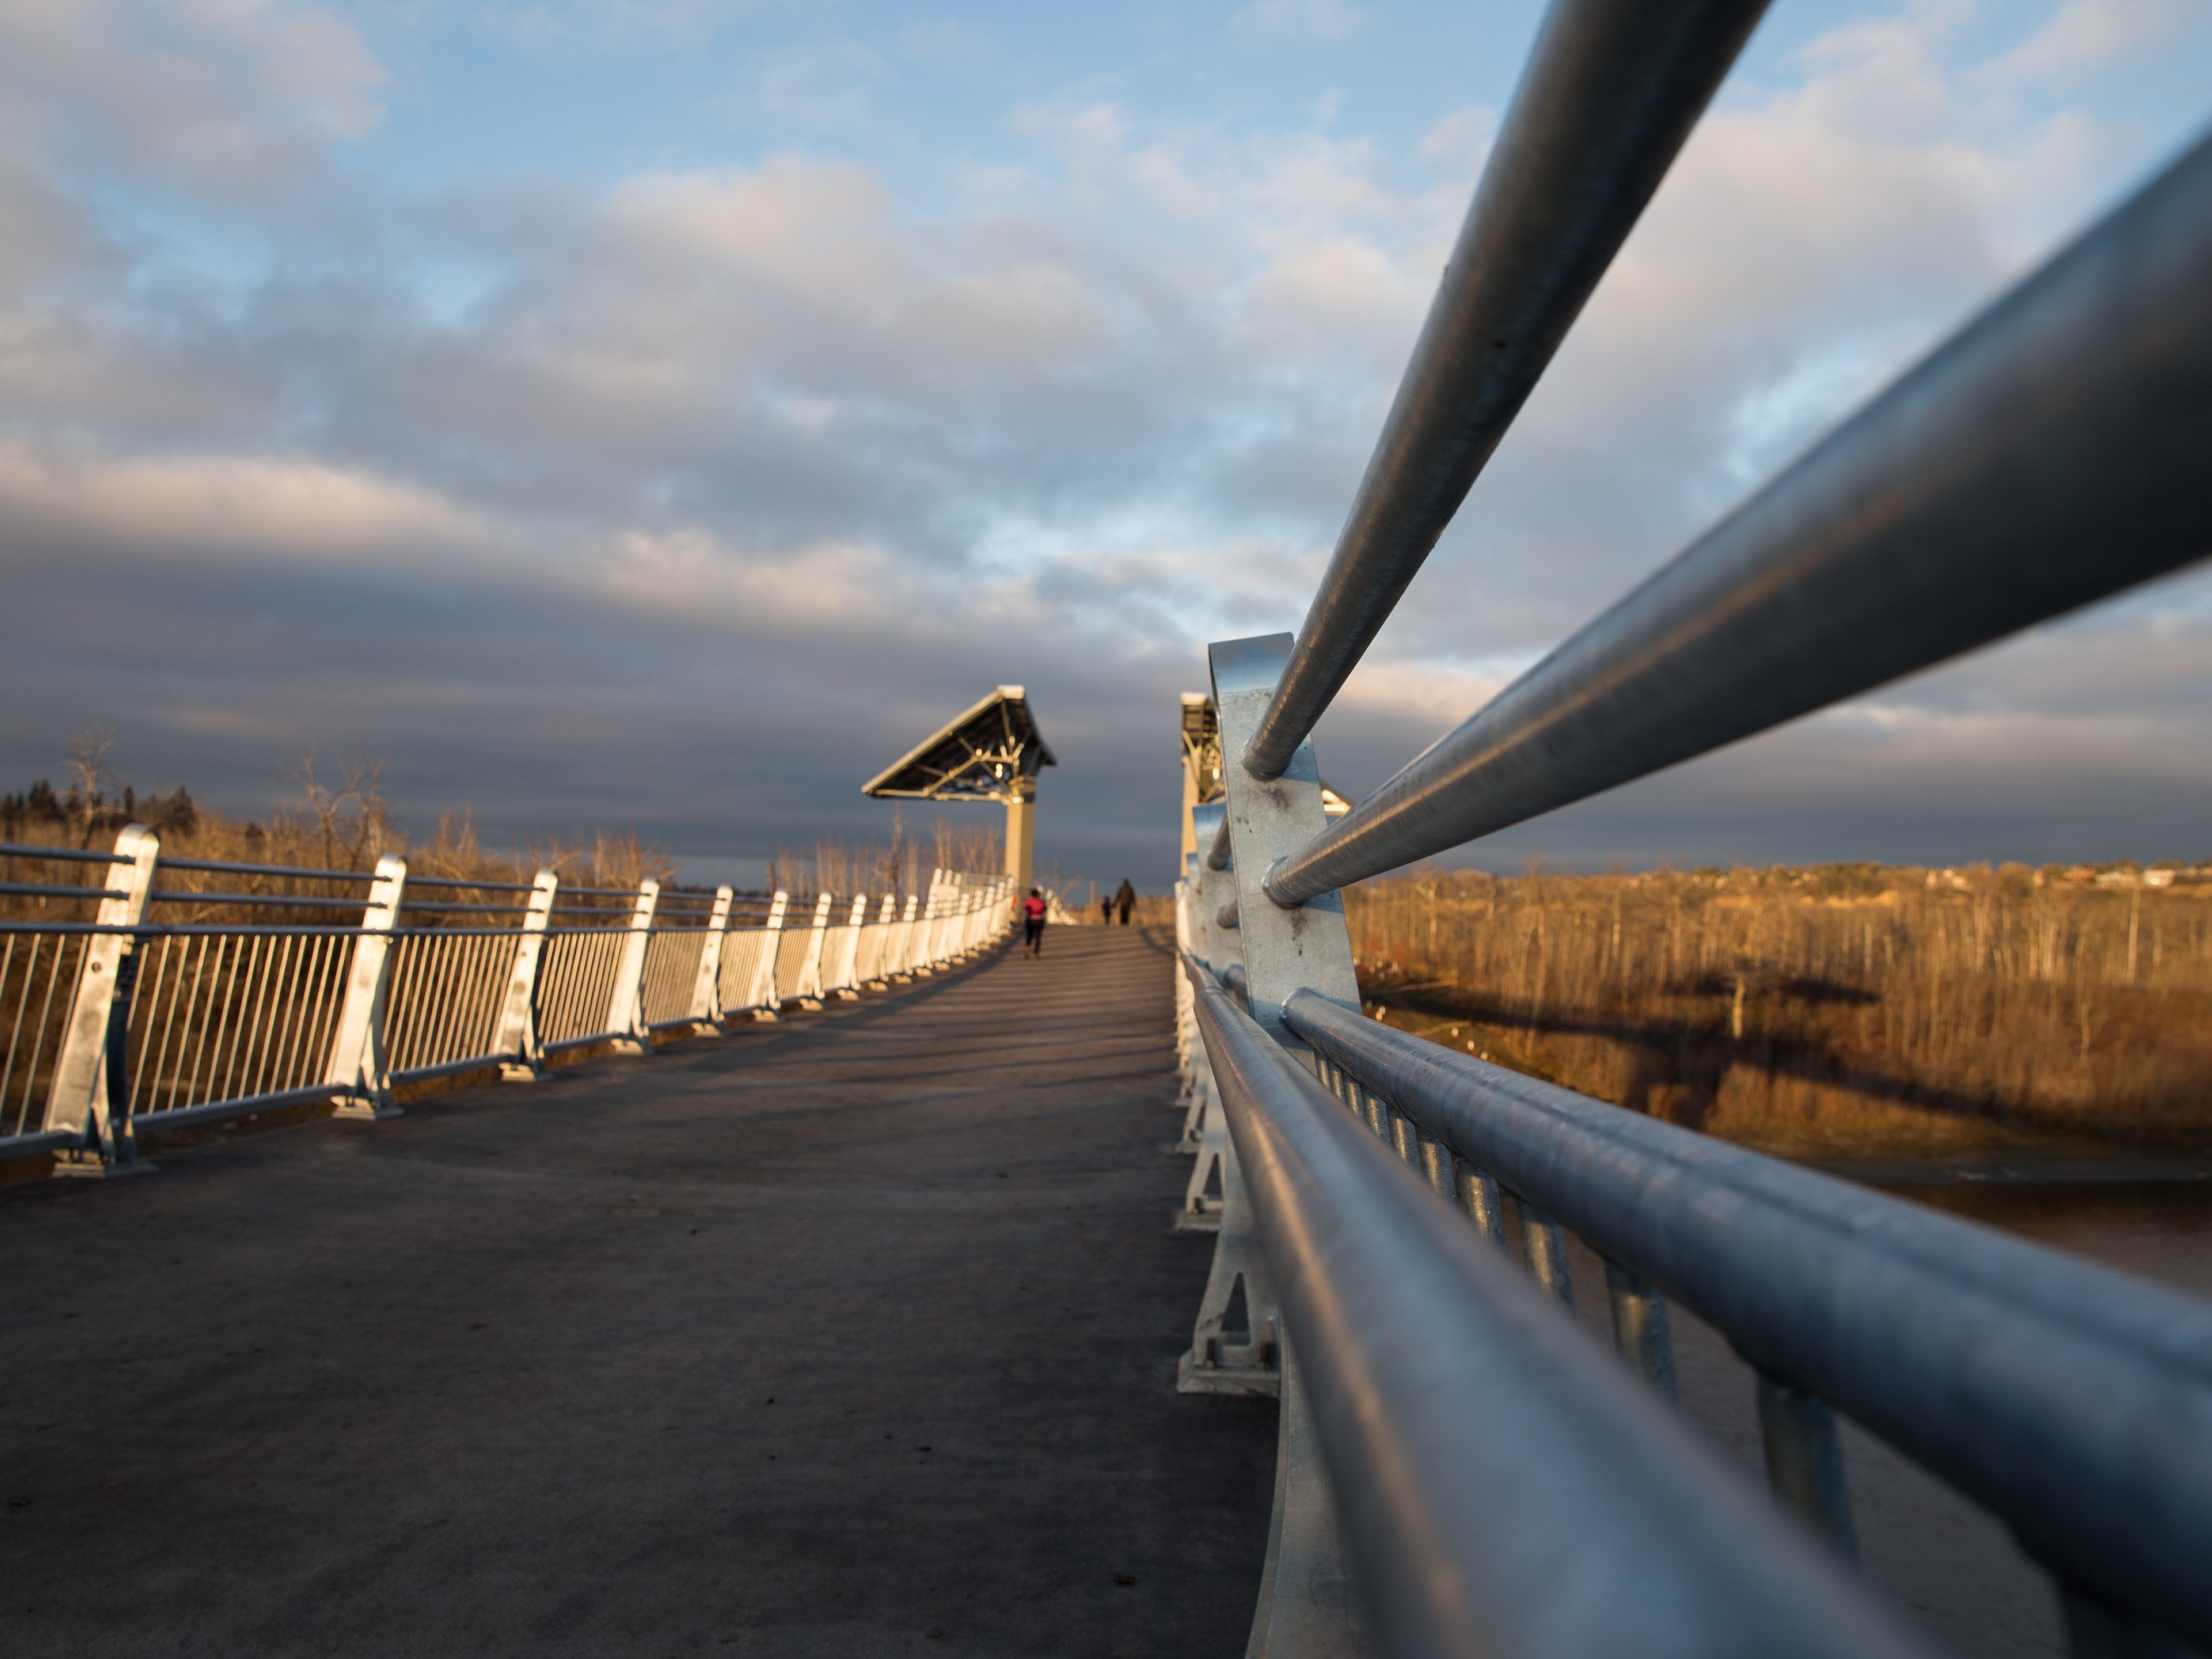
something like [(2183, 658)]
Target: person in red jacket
[(1033, 923)]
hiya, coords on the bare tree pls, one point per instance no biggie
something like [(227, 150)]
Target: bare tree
[(88, 765)]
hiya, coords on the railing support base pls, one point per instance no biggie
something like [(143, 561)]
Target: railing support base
[(87, 1163), (1309, 1604), (365, 1111), (1217, 1362)]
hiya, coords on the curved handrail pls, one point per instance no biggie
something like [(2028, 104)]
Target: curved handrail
[(2074, 1403), (1502, 1492)]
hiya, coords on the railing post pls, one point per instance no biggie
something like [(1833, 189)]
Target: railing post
[(517, 1033), (1304, 1583), (902, 959), (808, 992), (844, 981), (761, 994), (925, 957), (1282, 951), (626, 1009), (91, 1095), (881, 979), (706, 987), (359, 1065)]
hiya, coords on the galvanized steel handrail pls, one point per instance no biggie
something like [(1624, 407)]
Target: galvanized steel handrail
[(1611, 89), (2050, 453), (72, 855), (1499, 1492), (2074, 1403), (303, 872), (296, 900)]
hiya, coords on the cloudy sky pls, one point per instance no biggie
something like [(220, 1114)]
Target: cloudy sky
[(660, 413)]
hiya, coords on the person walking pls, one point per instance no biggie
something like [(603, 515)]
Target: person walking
[(1106, 911), (1033, 923), (1126, 897)]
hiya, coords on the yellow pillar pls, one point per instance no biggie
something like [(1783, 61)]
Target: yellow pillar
[(1021, 844)]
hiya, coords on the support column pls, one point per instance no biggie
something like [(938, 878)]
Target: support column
[(626, 1009), (1021, 843), (359, 1065), (517, 1033), (90, 1096)]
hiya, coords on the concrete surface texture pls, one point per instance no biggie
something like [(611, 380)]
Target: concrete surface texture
[(853, 1335)]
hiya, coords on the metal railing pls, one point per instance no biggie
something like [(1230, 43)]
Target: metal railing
[(117, 1022), (2049, 455)]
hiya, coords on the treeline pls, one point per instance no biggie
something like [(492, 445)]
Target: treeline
[(344, 823), (1839, 1009)]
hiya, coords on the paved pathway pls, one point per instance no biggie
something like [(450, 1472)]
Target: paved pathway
[(853, 1335)]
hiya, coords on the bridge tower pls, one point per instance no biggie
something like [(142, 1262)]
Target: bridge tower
[(992, 752)]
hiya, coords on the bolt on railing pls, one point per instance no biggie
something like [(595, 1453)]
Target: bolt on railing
[(2049, 455), (123, 1024)]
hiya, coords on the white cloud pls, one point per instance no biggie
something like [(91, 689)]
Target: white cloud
[(230, 98)]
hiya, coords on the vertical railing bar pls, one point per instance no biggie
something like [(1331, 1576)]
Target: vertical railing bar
[(182, 957), (191, 967), (273, 1010), (314, 1037), (269, 950), (233, 1022), (158, 1001), (1478, 1196), (216, 1001), (439, 994), (15, 1030), (242, 1028), (209, 1053), (1543, 1245), (1640, 1330), (46, 1008), (297, 1006), (265, 951), (1804, 1459)]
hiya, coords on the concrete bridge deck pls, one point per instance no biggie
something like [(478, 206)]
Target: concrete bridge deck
[(853, 1335)]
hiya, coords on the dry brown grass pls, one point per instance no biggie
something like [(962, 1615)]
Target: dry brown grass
[(1839, 1010)]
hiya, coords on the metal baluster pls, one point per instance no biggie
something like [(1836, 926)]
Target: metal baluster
[(1477, 1195), (1543, 1244), (1436, 1163), (1640, 1331), (1804, 1459)]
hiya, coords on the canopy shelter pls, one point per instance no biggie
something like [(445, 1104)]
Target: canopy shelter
[(992, 752)]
